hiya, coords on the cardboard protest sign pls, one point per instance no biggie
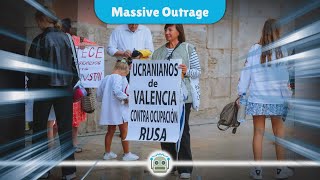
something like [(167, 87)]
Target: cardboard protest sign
[(91, 64), (154, 101)]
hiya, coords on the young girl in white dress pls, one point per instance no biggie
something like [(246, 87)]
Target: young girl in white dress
[(113, 93)]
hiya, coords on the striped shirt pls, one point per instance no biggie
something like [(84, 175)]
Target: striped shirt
[(195, 70)]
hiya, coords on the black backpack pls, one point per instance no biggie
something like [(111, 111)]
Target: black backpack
[(228, 117)]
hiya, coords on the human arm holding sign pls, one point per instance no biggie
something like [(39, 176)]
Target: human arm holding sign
[(195, 69), (78, 41), (83, 42)]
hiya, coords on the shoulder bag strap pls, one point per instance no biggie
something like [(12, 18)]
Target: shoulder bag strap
[(170, 56), (187, 49), (74, 54)]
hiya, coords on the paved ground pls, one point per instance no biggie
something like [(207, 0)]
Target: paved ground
[(208, 143)]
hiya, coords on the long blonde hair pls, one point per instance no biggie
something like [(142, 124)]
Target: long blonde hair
[(121, 65), (270, 34), (40, 17)]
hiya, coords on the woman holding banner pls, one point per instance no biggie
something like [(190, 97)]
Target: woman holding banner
[(177, 48)]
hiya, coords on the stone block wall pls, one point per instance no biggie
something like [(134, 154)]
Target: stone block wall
[(220, 46)]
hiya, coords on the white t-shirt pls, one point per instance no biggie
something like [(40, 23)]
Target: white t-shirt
[(266, 84), (123, 39)]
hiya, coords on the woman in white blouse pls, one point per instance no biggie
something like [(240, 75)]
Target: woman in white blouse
[(266, 78)]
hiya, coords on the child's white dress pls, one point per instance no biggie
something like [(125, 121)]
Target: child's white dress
[(111, 93)]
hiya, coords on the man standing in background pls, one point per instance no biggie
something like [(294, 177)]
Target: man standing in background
[(132, 41)]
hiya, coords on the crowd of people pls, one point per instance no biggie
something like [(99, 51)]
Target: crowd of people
[(63, 115)]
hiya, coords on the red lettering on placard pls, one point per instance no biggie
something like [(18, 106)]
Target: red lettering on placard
[(92, 77), (92, 52), (90, 63), (99, 52), (84, 53)]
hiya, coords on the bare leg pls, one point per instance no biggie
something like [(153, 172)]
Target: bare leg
[(50, 133), (258, 133), (278, 131), (55, 129), (123, 132), (108, 138), (75, 136)]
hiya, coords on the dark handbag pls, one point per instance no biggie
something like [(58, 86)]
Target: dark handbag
[(88, 102), (228, 117)]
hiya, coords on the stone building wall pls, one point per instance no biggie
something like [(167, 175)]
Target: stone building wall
[(220, 47)]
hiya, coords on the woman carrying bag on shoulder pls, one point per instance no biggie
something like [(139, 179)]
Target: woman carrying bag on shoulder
[(79, 115), (267, 80)]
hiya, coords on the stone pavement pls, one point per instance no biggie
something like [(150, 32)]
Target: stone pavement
[(208, 143)]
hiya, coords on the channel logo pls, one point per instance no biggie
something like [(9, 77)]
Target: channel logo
[(160, 163)]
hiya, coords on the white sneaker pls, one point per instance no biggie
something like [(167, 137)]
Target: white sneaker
[(130, 157), (284, 173), (185, 176), (290, 171), (110, 155), (256, 173)]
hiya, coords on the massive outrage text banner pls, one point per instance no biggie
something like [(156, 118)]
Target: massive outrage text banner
[(160, 11), (154, 101), (91, 64)]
